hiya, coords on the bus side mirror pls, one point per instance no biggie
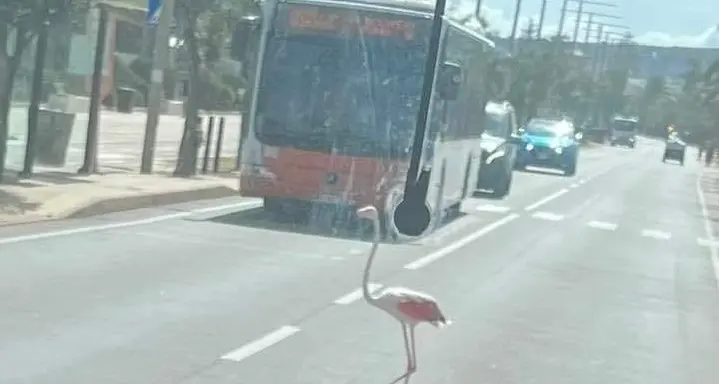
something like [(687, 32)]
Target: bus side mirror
[(449, 81)]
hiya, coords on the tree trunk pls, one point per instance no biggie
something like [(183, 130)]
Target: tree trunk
[(9, 66), (192, 134)]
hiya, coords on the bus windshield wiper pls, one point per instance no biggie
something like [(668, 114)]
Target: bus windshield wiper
[(412, 215)]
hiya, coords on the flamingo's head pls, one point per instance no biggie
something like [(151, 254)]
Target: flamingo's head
[(369, 212)]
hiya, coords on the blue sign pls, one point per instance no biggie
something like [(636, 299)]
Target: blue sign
[(153, 11)]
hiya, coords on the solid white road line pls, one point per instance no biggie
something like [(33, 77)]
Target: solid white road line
[(549, 216), (356, 295), (656, 234), (442, 252), (125, 224), (602, 225), (261, 344), (546, 200), (708, 227)]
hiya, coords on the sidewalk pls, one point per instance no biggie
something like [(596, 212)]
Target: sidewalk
[(709, 183), (56, 195)]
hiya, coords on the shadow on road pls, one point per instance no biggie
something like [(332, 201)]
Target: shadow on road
[(318, 222)]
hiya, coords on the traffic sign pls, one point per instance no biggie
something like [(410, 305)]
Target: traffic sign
[(153, 11)]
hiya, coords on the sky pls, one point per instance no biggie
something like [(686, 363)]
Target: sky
[(653, 22)]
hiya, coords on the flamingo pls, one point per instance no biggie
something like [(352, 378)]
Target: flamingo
[(409, 307)]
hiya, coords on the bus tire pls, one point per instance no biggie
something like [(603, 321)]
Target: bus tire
[(503, 186)]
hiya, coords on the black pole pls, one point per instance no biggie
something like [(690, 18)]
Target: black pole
[(33, 111), (218, 145), (412, 215), (208, 143), (90, 161)]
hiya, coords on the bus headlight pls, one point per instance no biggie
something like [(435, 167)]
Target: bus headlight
[(529, 147), (558, 150)]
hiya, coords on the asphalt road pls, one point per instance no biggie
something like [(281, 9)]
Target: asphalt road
[(599, 278)]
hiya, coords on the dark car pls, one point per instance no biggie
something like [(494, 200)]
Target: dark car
[(550, 144), (498, 149), (675, 149)]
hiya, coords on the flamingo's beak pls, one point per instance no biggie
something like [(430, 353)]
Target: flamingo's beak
[(369, 212)]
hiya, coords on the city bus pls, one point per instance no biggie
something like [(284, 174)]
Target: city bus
[(335, 101)]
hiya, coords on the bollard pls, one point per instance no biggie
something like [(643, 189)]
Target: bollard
[(218, 145), (208, 143)]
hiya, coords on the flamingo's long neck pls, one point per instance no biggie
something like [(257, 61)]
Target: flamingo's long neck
[(365, 278)]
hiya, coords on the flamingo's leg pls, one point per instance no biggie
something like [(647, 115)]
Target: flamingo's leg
[(413, 351), (407, 346)]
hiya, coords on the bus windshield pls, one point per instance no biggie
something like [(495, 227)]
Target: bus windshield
[(329, 90)]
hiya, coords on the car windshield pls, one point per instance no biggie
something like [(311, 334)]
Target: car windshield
[(547, 128), (343, 192)]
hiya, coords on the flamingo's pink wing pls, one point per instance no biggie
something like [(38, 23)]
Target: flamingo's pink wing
[(421, 310)]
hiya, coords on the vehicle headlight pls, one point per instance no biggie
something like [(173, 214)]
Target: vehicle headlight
[(558, 150), (529, 147)]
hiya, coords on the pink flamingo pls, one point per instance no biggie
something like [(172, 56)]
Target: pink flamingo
[(409, 307)]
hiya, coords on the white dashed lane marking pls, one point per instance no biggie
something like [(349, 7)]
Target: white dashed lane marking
[(708, 243), (261, 344), (546, 200), (602, 225), (549, 216), (656, 234), (356, 295), (493, 208)]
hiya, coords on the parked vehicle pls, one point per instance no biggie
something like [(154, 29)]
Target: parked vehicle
[(499, 149), (550, 144)]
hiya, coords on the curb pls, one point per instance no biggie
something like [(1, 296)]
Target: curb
[(101, 206), (128, 203)]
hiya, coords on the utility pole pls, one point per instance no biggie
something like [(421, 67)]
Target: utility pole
[(156, 91), (513, 37), (560, 31), (580, 10), (541, 19), (589, 28), (597, 52)]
